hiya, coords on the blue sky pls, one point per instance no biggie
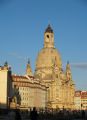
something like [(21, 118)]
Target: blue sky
[(22, 26)]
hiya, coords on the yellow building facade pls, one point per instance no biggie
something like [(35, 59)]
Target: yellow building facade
[(28, 91), (59, 83), (5, 85)]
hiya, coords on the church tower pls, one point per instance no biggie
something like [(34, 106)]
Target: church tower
[(28, 69), (49, 38), (68, 71)]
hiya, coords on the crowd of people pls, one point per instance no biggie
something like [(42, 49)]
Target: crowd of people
[(34, 114), (14, 114)]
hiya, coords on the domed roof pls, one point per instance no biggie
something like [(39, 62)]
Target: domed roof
[(46, 57)]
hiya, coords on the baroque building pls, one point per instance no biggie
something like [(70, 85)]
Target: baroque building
[(49, 87), (21, 91), (28, 91), (59, 83), (80, 100)]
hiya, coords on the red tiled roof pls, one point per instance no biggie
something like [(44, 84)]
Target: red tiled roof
[(84, 94), (31, 76), (18, 76), (77, 93)]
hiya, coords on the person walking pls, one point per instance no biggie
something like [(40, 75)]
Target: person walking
[(17, 114), (11, 115), (83, 114), (34, 114)]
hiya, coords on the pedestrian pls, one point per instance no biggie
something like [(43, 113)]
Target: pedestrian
[(34, 114), (17, 114), (83, 114), (11, 115)]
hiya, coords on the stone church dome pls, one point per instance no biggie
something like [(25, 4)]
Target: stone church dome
[(46, 57), (48, 54)]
